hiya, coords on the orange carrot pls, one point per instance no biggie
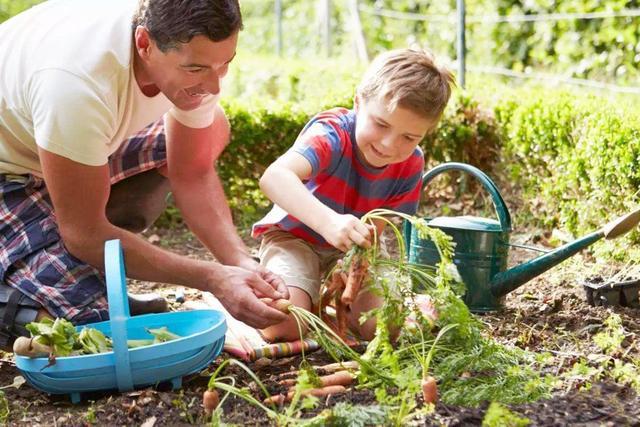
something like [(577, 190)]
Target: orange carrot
[(355, 278), (210, 401), (341, 318), (338, 378), (282, 305), (429, 390), (323, 391), (340, 366), (288, 382), (333, 285), (276, 399), (317, 392)]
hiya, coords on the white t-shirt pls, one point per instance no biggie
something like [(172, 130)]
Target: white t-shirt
[(67, 85)]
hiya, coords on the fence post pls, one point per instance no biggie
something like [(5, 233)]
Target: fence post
[(278, 13), (358, 35), (326, 26), (462, 48)]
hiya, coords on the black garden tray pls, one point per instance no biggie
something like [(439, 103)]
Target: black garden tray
[(600, 292)]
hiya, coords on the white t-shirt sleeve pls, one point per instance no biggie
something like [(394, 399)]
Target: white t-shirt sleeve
[(200, 117), (69, 117)]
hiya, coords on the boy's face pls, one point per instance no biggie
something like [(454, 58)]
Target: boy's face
[(384, 137)]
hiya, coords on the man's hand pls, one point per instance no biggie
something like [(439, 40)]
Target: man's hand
[(343, 231), (273, 279), (238, 290)]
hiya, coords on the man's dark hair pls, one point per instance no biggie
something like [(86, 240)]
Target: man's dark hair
[(171, 22)]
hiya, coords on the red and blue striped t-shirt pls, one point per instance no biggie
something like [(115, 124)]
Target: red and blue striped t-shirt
[(344, 182)]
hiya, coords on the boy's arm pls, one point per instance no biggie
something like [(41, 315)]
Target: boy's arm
[(282, 183)]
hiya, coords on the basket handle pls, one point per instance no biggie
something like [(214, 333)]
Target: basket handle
[(118, 311)]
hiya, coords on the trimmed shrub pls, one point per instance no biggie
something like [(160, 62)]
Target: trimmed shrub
[(575, 156)]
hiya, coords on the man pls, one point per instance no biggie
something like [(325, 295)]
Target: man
[(77, 78)]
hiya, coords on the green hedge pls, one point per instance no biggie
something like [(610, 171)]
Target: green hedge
[(575, 156)]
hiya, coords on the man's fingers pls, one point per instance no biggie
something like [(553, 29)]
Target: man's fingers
[(276, 282), (263, 288)]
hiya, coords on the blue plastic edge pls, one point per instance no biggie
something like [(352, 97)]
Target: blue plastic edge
[(118, 311)]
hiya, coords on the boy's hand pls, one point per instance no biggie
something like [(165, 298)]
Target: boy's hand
[(343, 231)]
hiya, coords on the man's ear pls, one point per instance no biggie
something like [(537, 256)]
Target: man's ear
[(143, 41)]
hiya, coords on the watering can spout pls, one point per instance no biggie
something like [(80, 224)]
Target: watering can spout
[(482, 246), (506, 281)]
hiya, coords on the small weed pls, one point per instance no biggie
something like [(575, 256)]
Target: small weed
[(90, 416), (4, 408), (499, 416), (610, 340)]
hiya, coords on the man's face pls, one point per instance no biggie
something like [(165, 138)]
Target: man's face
[(384, 137), (187, 74)]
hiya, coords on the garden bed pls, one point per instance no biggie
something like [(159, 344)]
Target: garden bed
[(549, 314)]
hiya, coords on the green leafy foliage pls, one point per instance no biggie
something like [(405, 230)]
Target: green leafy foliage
[(610, 339), (5, 411), (574, 155), (65, 340), (499, 416)]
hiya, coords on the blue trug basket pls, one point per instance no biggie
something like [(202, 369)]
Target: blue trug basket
[(202, 337)]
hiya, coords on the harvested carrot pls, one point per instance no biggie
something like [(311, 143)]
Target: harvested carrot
[(317, 392), (429, 390), (210, 401), (276, 399), (339, 366), (333, 285), (282, 305), (337, 378), (288, 382), (355, 278), (341, 318)]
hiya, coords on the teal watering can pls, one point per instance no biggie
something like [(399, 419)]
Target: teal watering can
[(482, 246)]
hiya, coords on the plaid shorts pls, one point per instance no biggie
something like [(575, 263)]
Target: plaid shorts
[(33, 258)]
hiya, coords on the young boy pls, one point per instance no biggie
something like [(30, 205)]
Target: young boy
[(343, 164)]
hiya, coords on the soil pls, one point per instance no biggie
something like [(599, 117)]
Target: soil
[(550, 313)]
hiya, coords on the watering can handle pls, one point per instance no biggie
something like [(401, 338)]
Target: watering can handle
[(118, 311), (498, 202)]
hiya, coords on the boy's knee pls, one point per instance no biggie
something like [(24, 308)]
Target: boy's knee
[(286, 331)]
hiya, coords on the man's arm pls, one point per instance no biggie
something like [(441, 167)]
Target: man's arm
[(282, 183), (79, 194), (200, 196)]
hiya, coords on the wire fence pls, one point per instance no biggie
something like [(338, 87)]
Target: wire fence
[(458, 17)]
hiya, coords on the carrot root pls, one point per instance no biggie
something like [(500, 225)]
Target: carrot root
[(429, 390), (210, 401)]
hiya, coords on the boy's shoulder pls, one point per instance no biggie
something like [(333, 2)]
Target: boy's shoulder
[(339, 115)]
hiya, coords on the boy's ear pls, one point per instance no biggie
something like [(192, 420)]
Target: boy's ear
[(356, 102)]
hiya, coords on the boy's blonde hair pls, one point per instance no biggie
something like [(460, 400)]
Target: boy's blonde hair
[(408, 78)]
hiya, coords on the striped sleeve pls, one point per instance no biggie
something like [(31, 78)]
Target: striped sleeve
[(321, 143)]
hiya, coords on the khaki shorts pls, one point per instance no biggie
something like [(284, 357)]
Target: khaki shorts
[(300, 264)]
